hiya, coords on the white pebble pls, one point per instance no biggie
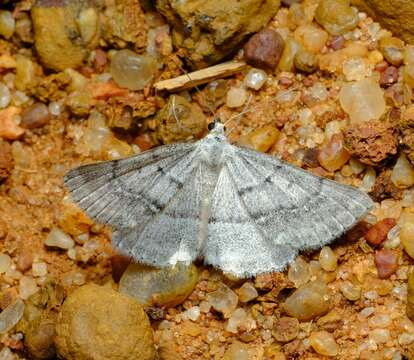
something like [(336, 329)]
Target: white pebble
[(368, 311), (236, 97), (379, 321), (55, 108), (371, 295), (58, 238), (39, 269), (255, 79), (192, 313), (5, 96), (11, 315), (27, 287), (6, 354), (5, 263)]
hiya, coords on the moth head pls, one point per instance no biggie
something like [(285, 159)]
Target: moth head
[(216, 126)]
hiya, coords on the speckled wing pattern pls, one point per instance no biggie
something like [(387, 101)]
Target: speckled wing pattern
[(251, 215)]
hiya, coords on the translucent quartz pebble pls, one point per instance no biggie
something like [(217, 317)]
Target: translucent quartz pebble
[(131, 70), (362, 100), (255, 79), (58, 238), (11, 315), (158, 287), (324, 343), (223, 300)]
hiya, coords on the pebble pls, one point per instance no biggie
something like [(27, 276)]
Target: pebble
[(223, 300), (254, 79), (380, 321), (350, 291), (35, 116), (327, 259), (261, 139), (377, 234), (236, 97), (405, 339), (39, 269), (237, 351), (7, 24), (166, 287), (407, 236), (27, 287), (264, 49), (306, 61), (362, 100), (5, 96), (333, 155), (247, 292), (308, 301), (288, 56), (337, 16), (286, 329), (131, 70), (58, 238), (5, 263), (193, 313), (7, 354), (392, 49), (240, 320), (324, 343), (387, 262), (11, 315), (299, 272), (389, 76), (8, 125), (96, 322), (402, 174)]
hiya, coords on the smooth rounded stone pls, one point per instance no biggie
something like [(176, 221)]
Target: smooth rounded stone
[(264, 49), (337, 16), (5, 263), (255, 79), (393, 50), (327, 259), (27, 287), (247, 292), (380, 321), (35, 116), (236, 97), (312, 37), (402, 174), (58, 238), (7, 24), (386, 261), (192, 313), (5, 96), (405, 339), (131, 70), (362, 100), (223, 300), (324, 343), (11, 315), (407, 235), (39, 269), (286, 329), (287, 60), (378, 233), (333, 155), (166, 287), (309, 301), (97, 323), (262, 139), (240, 319), (350, 291), (299, 272), (306, 61)]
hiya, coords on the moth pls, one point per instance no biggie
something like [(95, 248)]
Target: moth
[(242, 211)]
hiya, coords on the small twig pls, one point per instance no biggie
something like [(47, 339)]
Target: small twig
[(199, 77)]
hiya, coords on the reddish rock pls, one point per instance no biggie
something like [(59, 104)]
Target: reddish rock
[(336, 43), (384, 188), (377, 234), (333, 155), (371, 142), (387, 262), (24, 259), (264, 49), (382, 66), (8, 127), (389, 76), (35, 116), (6, 160), (311, 158)]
